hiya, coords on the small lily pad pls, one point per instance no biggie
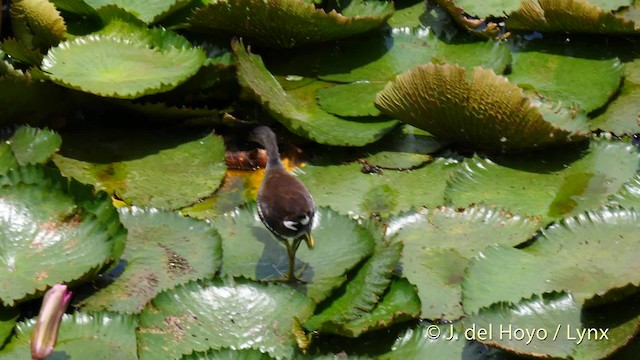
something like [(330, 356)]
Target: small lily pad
[(163, 250), (228, 354), (479, 109), (161, 169), (251, 251), (573, 255), (113, 67), (404, 148), (81, 336), (37, 23), (34, 146), (8, 317), (208, 315), (355, 99), (54, 232), (289, 23)]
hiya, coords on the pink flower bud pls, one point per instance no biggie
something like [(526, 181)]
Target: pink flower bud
[(45, 333)]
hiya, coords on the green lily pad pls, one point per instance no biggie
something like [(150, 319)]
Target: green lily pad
[(7, 159), (426, 341), (361, 294), (479, 109), (621, 116), (112, 67), (556, 326), (381, 56), (562, 75), (344, 186), (251, 251), (37, 23), (160, 169), (407, 13), (573, 255), (298, 110), (228, 354), (578, 16), (289, 23), (211, 315), (149, 12), (99, 336), (78, 7), (8, 317), (54, 232), (355, 99), (163, 250), (406, 147), (400, 303), (19, 93), (439, 244), (34, 146), (629, 194), (550, 185), (21, 52)]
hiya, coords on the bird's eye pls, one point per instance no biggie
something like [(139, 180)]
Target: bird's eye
[(304, 220)]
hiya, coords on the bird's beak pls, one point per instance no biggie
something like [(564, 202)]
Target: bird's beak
[(309, 240)]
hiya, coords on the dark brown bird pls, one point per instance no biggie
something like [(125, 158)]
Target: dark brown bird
[(285, 206)]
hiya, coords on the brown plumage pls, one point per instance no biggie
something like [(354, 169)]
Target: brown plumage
[(285, 206)]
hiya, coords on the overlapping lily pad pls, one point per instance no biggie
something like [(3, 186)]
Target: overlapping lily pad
[(361, 294), (212, 315), (148, 12), (621, 116), (53, 232), (439, 244), (557, 325), (344, 186), (550, 184), (113, 67), (134, 165), (297, 109), (565, 74), (289, 23), (81, 336), (34, 146), (406, 147), (163, 250), (629, 194), (486, 112), (251, 251), (590, 255), (37, 23)]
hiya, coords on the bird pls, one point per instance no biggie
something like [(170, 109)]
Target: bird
[(285, 206)]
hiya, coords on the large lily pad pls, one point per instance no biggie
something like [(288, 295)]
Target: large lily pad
[(486, 112), (99, 336), (564, 74), (439, 244), (211, 315), (549, 184), (289, 23), (156, 169), (251, 251), (297, 109), (345, 187), (53, 232), (574, 255), (113, 67), (381, 56), (556, 325), (163, 250)]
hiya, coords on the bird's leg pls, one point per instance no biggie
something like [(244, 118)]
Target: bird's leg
[(291, 252)]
